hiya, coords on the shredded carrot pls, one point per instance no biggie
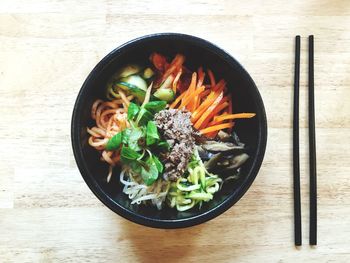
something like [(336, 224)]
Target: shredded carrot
[(197, 102), (211, 77), (192, 86), (175, 64), (204, 93), (210, 109), (219, 85), (189, 98), (212, 123), (216, 122), (210, 102), (201, 76), (173, 105), (234, 116), (176, 80), (216, 128), (194, 104), (222, 105), (204, 106), (191, 90), (198, 99), (213, 134)]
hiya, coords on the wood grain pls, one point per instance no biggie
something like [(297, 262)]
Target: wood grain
[(47, 48)]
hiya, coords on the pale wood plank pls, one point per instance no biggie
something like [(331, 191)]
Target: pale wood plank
[(47, 48)]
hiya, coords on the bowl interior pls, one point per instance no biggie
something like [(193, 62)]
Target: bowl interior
[(198, 53)]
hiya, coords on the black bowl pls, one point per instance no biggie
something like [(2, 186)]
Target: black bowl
[(246, 98)]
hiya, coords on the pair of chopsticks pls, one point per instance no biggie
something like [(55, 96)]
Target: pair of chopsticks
[(312, 148)]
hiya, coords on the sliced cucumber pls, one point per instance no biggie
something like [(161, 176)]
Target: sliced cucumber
[(165, 94), (200, 196), (139, 94), (136, 81), (148, 73), (125, 85), (126, 71)]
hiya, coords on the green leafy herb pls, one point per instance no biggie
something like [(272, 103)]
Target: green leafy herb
[(128, 155), (126, 135), (159, 165), (163, 145), (142, 136), (134, 138), (155, 106), (152, 135), (143, 117), (133, 109), (114, 142), (135, 166), (151, 174)]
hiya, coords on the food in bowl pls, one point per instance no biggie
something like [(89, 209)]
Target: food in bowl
[(171, 130)]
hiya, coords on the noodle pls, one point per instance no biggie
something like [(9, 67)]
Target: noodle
[(124, 98), (107, 157), (94, 108), (111, 118)]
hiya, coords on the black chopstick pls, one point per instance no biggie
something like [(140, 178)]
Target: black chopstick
[(296, 161), (312, 148)]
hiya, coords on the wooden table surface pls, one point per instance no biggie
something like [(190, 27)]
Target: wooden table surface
[(47, 48)]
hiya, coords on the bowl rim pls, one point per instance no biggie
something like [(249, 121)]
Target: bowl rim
[(171, 223)]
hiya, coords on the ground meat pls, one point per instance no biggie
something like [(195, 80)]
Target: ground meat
[(176, 128)]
